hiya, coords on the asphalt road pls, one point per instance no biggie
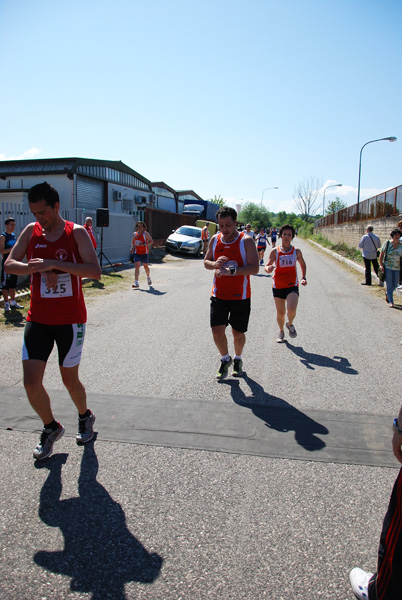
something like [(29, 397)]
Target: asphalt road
[(270, 486)]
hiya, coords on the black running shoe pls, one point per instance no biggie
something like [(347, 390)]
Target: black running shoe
[(224, 369), (237, 367)]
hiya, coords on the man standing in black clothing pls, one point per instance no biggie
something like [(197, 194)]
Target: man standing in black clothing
[(370, 243)]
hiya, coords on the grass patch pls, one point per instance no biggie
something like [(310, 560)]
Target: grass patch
[(106, 281), (342, 249)]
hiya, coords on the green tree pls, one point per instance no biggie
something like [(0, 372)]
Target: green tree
[(297, 222), (281, 218), (218, 200), (335, 205), (256, 215)]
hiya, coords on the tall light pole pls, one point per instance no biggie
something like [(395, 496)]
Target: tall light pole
[(268, 188), (323, 196), (389, 139)]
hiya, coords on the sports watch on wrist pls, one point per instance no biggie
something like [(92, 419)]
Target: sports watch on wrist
[(395, 426), (232, 270)]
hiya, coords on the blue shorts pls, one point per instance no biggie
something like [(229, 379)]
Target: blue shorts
[(144, 258)]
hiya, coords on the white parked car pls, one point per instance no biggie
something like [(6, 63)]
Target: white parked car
[(185, 239)]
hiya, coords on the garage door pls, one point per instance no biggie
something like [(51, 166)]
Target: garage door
[(90, 193)]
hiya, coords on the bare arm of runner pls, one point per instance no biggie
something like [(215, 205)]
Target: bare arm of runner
[(269, 267), (302, 265), (211, 264), (250, 268), (88, 268)]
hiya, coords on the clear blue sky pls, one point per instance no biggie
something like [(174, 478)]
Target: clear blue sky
[(221, 96)]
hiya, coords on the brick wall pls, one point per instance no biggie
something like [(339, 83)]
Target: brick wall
[(351, 233)]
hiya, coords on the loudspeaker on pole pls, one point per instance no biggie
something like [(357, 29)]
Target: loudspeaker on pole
[(102, 217)]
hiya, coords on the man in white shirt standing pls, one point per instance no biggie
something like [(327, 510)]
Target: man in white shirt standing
[(369, 244), (248, 231)]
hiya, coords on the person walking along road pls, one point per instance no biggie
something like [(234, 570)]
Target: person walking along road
[(370, 244), (390, 258), (233, 258), (285, 284), (59, 254)]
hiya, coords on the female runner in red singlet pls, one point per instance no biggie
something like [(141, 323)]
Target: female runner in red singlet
[(285, 284)]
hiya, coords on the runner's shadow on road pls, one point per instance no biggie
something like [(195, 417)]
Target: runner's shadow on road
[(100, 553), (279, 414), (308, 359), (15, 317), (151, 290)]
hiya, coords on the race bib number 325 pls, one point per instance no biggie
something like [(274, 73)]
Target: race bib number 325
[(63, 288)]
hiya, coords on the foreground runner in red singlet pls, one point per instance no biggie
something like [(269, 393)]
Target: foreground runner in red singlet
[(285, 286), (59, 253), (233, 257)]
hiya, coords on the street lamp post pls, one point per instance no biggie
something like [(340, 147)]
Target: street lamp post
[(389, 139), (323, 196), (268, 188)]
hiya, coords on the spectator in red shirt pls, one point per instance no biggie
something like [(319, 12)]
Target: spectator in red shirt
[(88, 227)]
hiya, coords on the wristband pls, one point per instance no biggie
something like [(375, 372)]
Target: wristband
[(396, 427)]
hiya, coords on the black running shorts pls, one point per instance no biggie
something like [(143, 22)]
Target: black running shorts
[(39, 340), (284, 292), (230, 312)]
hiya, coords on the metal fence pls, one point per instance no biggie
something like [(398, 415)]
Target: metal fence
[(387, 204), (160, 223)]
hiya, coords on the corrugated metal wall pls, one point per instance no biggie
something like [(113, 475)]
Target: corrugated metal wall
[(90, 193)]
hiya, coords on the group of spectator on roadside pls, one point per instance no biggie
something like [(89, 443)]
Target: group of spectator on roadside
[(386, 260)]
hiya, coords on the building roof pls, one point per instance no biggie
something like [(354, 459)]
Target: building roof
[(164, 186), (188, 193), (35, 166)]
